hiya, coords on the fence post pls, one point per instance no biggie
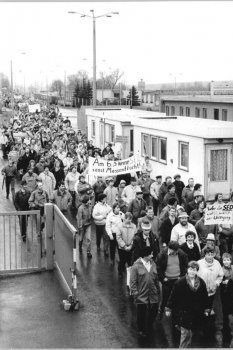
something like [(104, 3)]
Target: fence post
[(49, 224)]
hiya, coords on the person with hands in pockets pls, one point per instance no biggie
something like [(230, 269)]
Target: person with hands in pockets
[(144, 286)]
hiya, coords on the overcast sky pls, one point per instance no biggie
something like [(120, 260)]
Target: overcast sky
[(153, 41)]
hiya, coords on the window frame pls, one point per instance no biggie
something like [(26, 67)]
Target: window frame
[(181, 111), (159, 150), (187, 109), (93, 128), (197, 111), (167, 109), (173, 111), (224, 110), (180, 166), (157, 141)]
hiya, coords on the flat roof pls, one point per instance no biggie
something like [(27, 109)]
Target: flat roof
[(198, 98), (196, 127)]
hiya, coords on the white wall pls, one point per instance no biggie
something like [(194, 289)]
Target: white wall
[(96, 140), (196, 155)]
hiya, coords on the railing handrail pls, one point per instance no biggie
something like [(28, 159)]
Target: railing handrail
[(20, 212), (65, 220)]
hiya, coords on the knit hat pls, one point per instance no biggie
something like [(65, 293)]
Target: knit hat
[(210, 237)]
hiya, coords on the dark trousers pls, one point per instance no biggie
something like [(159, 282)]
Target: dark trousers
[(166, 291), (10, 183), (125, 257), (155, 205), (73, 195), (146, 314), (101, 232), (113, 246), (23, 221)]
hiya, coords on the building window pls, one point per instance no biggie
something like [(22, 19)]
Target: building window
[(181, 111), (145, 145), (110, 133), (187, 112), (183, 155), (216, 113), (224, 115), (167, 110), (92, 128), (172, 110), (197, 112), (204, 113), (154, 147), (162, 150)]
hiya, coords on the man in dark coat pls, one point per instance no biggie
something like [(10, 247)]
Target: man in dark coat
[(179, 185), (171, 264), (188, 302), (21, 204), (144, 238), (167, 226), (136, 206)]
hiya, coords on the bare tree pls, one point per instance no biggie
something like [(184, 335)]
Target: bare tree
[(109, 81), (57, 85)]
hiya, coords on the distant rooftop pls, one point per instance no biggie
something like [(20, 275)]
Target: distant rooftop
[(203, 98)]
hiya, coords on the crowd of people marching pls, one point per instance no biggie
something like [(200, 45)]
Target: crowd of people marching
[(175, 263)]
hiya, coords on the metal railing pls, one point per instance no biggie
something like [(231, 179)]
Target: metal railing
[(18, 254)]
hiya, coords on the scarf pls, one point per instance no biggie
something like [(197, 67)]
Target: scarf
[(196, 285)]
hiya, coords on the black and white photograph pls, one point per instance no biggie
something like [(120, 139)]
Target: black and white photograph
[(116, 174)]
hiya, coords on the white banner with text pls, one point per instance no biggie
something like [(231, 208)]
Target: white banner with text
[(102, 167), (219, 214)]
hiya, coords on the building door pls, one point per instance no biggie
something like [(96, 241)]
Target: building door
[(219, 170)]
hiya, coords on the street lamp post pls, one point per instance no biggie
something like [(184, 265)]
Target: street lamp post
[(93, 17)]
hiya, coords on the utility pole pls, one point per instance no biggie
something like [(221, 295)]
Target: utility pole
[(12, 94)]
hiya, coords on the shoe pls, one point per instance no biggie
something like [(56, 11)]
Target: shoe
[(89, 255)]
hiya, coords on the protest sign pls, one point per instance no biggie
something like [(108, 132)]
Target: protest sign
[(219, 214), (33, 108), (101, 167)]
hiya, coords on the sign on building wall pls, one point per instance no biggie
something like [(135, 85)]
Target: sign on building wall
[(122, 139), (101, 167), (219, 214)]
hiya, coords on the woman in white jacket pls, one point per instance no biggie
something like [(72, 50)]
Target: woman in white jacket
[(211, 272), (113, 222), (100, 212), (48, 180)]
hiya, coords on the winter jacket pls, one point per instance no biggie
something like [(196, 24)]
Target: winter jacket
[(139, 243), (187, 196), (188, 305), (84, 216), (100, 213), (48, 181), (163, 191), (135, 207), (195, 216), (38, 199), (59, 176), (166, 229), (179, 188), (192, 253), (113, 222), (71, 179), (227, 296), (61, 199), (162, 259), (212, 274), (10, 171), (125, 235), (144, 285), (21, 200), (112, 195), (129, 193), (99, 187), (31, 181)]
